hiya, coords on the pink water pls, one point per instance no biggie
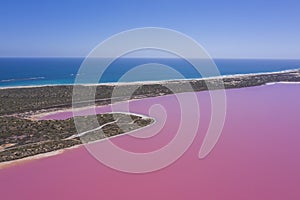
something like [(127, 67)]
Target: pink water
[(257, 156)]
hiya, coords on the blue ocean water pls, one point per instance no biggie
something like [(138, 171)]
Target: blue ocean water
[(49, 71)]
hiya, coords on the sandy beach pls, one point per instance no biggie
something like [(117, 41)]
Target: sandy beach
[(156, 82)]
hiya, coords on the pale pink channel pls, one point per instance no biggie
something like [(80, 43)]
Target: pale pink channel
[(257, 156)]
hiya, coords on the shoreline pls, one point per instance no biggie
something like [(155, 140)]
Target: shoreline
[(44, 142), (24, 101), (24, 160), (34, 104), (152, 82), (12, 163), (282, 82)]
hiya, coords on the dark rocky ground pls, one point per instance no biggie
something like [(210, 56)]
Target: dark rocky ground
[(33, 137)]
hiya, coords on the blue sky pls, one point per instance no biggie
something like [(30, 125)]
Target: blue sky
[(227, 29)]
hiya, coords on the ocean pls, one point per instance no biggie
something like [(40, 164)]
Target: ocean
[(52, 71)]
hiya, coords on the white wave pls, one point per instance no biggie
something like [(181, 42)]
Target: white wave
[(8, 80), (22, 79), (157, 82)]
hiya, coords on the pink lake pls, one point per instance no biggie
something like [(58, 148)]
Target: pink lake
[(256, 157)]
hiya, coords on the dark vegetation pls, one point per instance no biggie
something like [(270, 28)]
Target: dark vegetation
[(29, 137), (19, 100)]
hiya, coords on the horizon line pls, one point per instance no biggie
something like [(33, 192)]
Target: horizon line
[(152, 57)]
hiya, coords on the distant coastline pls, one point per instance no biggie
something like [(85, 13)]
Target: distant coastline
[(17, 72), (152, 82)]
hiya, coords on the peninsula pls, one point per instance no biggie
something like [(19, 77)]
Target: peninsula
[(23, 135)]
